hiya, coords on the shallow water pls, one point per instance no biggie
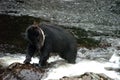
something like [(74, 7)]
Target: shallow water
[(61, 69)]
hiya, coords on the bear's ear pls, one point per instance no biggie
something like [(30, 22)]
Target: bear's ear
[(36, 23)]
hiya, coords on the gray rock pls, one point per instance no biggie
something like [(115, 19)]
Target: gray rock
[(88, 76), (18, 71)]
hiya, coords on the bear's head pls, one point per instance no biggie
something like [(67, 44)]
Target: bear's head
[(35, 36)]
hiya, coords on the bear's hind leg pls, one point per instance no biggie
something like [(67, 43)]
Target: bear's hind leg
[(44, 55), (70, 56)]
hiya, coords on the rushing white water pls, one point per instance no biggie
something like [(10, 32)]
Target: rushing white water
[(80, 68), (61, 69)]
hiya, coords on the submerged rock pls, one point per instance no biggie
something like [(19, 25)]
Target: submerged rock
[(18, 71), (88, 76)]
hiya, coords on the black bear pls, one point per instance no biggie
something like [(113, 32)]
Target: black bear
[(46, 39)]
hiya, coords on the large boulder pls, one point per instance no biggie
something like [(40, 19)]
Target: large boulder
[(18, 71)]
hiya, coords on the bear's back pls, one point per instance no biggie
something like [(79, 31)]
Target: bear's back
[(56, 31), (58, 36)]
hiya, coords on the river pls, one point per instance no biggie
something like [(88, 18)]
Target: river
[(99, 16)]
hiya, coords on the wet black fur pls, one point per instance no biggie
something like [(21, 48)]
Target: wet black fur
[(57, 40)]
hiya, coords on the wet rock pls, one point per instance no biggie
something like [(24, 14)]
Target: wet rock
[(105, 45), (18, 71), (88, 76), (118, 47), (114, 64), (2, 69), (112, 69)]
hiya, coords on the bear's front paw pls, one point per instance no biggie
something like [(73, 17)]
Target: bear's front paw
[(26, 61)]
